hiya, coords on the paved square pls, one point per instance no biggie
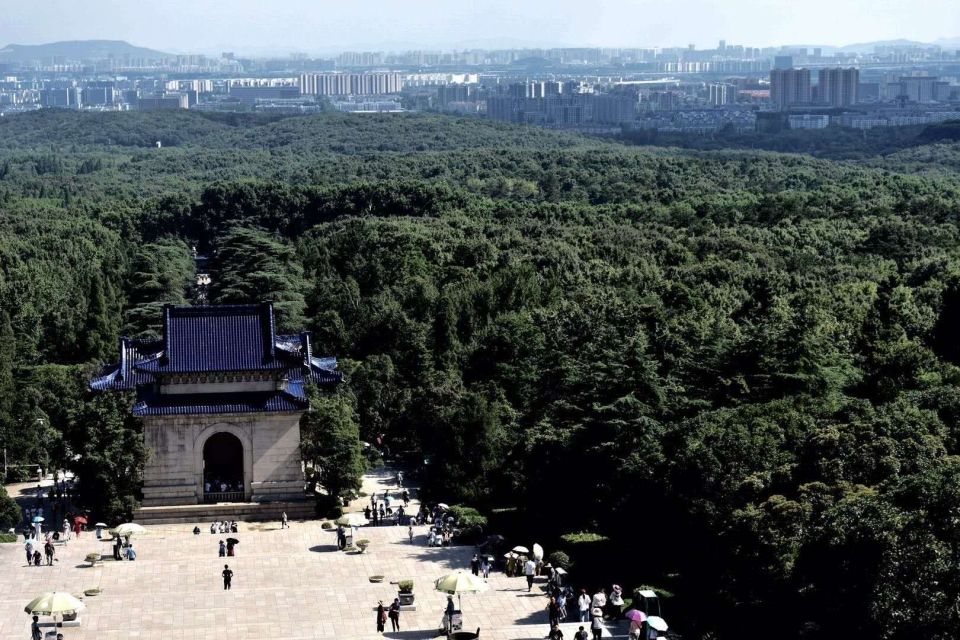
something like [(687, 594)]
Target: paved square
[(290, 584)]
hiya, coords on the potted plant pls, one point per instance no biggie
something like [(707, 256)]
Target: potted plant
[(405, 592), (376, 578), (93, 558), (362, 544)]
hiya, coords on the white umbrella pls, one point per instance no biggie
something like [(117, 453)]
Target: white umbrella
[(443, 506), (352, 520), (102, 525), (129, 529), (537, 552), (520, 549), (657, 623)]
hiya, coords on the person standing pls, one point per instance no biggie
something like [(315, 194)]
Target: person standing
[(475, 565), (66, 530), (410, 532), (583, 604), (395, 615), (28, 546), (381, 616), (223, 549), (599, 600), (35, 633), (616, 602), (48, 551), (529, 568), (227, 577), (283, 521), (485, 567), (555, 633), (230, 547), (580, 634)]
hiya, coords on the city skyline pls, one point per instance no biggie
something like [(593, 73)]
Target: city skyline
[(321, 28)]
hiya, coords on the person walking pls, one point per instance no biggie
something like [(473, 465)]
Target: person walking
[(381, 616), (48, 551), (485, 567), (599, 601), (227, 577), (283, 521), (131, 554), (475, 565), (529, 568), (395, 615), (596, 626), (555, 632), (410, 532), (615, 604), (223, 549), (580, 634), (230, 547), (28, 547), (35, 632), (553, 612)]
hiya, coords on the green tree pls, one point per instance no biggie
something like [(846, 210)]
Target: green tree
[(330, 443)]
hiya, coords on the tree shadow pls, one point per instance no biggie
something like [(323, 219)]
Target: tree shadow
[(323, 548), (413, 634)]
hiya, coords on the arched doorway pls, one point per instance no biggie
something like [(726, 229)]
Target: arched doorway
[(223, 479)]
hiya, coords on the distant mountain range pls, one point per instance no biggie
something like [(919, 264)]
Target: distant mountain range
[(78, 50)]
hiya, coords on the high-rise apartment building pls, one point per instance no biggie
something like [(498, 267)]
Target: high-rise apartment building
[(342, 84), (839, 87), (783, 62), (789, 87), (721, 93)]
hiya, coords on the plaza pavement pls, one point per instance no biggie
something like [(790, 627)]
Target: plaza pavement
[(289, 584)]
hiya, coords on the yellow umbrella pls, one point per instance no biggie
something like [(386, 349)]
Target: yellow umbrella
[(54, 603), (459, 583)]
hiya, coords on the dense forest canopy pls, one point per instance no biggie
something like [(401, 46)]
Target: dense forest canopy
[(738, 368)]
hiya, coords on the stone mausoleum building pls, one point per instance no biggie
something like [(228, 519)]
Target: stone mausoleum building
[(221, 396)]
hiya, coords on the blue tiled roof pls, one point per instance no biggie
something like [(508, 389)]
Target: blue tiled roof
[(207, 403), (218, 339)]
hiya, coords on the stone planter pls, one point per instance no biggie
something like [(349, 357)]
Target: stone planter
[(406, 599)]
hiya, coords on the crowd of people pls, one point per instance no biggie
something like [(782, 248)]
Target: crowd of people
[(222, 485)]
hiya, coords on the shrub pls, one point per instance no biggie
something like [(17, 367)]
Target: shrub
[(405, 586), (584, 537), (363, 544), (559, 559), (467, 516), (326, 525), (10, 514), (8, 537), (92, 557)]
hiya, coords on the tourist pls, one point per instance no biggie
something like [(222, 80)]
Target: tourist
[(400, 478), (231, 545), (529, 567), (283, 521), (615, 606), (227, 577), (597, 624), (28, 547), (117, 544), (196, 531), (234, 528), (131, 554), (400, 514), (580, 634), (485, 567), (383, 512), (636, 629), (395, 615), (431, 538), (406, 497), (381, 616), (37, 558), (35, 633), (555, 632), (599, 600), (66, 530), (561, 597), (553, 611), (48, 551), (223, 549), (77, 528), (410, 532), (475, 565), (213, 528)]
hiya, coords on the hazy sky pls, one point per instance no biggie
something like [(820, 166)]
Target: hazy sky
[(319, 26)]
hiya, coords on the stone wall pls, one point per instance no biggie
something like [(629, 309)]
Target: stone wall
[(272, 471)]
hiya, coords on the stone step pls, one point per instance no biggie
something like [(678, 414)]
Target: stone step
[(241, 511)]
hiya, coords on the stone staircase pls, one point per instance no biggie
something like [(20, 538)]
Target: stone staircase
[(204, 514)]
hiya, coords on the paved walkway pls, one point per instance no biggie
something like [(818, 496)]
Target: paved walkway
[(290, 584)]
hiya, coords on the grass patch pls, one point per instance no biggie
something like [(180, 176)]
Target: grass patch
[(8, 537)]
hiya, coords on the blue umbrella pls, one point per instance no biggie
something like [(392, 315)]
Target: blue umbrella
[(38, 519)]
